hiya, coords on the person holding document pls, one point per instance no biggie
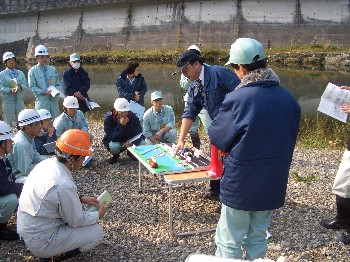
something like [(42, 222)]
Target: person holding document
[(122, 129), (12, 84), (50, 216), (40, 78), (47, 134), (159, 121), (76, 82), (341, 189)]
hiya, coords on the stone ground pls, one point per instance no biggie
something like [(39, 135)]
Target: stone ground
[(136, 225)]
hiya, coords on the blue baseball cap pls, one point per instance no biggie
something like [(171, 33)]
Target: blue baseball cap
[(245, 51), (156, 95)]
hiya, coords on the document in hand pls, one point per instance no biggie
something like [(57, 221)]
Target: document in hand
[(104, 197), (137, 109), (88, 158), (134, 138), (50, 147), (54, 91), (331, 101), (91, 105)]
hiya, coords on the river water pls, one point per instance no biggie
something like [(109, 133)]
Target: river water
[(306, 85)]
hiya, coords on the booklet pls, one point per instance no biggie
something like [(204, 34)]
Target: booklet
[(54, 91), (331, 101), (134, 138), (137, 109), (104, 197), (91, 105), (50, 147)]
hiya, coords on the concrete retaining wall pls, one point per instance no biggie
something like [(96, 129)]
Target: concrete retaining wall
[(67, 26)]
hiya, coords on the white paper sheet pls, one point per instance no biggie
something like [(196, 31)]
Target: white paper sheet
[(54, 91), (331, 101)]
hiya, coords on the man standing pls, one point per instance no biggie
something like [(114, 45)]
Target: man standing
[(76, 82), (257, 126), (12, 84), (209, 86), (203, 114), (40, 78)]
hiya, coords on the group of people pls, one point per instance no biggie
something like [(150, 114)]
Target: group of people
[(245, 112)]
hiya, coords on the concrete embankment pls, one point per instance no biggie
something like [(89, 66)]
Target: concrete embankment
[(101, 25)]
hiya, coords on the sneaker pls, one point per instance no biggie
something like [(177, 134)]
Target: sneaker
[(113, 159), (211, 196), (8, 234)]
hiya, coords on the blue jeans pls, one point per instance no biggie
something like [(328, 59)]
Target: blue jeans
[(239, 228)]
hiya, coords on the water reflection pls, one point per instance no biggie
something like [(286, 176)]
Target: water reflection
[(306, 86)]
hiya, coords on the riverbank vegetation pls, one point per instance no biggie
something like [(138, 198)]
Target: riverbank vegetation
[(311, 55)]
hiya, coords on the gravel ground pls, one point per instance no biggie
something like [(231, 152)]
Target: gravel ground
[(136, 225)]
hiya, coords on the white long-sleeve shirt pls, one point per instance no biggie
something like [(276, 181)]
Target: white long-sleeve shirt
[(49, 199)]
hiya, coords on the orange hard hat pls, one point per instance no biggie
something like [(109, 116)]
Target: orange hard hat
[(75, 142)]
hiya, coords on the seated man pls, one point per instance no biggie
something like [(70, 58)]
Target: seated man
[(159, 121), (50, 217), (47, 133), (9, 189), (71, 118), (24, 156), (120, 126)]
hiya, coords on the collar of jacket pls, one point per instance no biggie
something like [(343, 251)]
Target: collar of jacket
[(259, 75)]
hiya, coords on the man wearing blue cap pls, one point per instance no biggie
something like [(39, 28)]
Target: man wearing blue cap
[(257, 126), (159, 121), (76, 82), (208, 88)]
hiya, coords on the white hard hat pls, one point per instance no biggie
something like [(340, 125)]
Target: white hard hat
[(194, 47), (121, 105), (5, 131), (41, 50), (44, 114), (70, 102), (28, 116), (7, 55)]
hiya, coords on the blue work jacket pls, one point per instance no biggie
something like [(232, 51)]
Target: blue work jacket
[(257, 126), (218, 81), (127, 90)]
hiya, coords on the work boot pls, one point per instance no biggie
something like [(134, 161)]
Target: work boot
[(113, 159), (7, 234), (44, 259), (331, 224), (196, 142), (342, 219), (345, 239)]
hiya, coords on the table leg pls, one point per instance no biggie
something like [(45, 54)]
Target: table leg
[(140, 178), (171, 225)]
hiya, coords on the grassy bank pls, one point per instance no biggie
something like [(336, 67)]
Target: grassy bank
[(294, 55)]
